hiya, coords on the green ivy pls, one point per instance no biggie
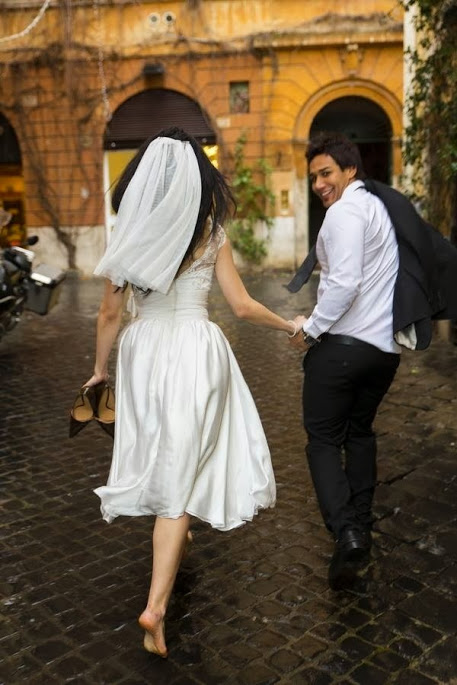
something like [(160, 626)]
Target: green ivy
[(431, 135), (255, 202)]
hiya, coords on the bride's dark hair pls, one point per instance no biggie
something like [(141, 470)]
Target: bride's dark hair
[(217, 200)]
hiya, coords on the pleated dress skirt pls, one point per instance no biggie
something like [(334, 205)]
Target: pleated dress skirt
[(188, 436)]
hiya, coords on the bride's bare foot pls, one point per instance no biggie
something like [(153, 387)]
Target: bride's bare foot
[(154, 637)]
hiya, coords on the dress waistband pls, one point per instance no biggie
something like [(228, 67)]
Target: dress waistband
[(177, 314), (176, 306)]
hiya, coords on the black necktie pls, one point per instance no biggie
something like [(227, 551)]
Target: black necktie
[(304, 272)]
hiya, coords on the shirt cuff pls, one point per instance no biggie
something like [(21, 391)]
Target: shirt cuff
[(311, 329)]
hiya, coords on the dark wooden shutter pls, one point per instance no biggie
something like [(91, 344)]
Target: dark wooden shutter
[(148, 112)]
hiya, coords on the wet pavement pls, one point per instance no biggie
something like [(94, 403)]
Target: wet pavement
[(251, 607)]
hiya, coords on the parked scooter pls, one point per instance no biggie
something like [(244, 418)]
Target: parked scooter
[(21, 286)]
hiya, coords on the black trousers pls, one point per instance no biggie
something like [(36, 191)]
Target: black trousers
[(343, 387)]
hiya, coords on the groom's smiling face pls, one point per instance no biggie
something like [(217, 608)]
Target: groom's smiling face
[(328, 180)]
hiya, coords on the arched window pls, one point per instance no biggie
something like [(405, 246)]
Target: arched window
[(144, 115)]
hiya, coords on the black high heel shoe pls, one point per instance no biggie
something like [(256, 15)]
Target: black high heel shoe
[(82, 411), (105, 402)]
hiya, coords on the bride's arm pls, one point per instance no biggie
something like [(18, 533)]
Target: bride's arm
[(108, 325), (241, 303)]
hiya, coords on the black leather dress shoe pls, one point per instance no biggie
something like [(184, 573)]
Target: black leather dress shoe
[(352, 548)]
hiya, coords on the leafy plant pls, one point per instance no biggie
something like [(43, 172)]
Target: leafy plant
[(255, 202), (431, 134)]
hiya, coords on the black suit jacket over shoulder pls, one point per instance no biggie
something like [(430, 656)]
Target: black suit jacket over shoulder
[(426, 285)]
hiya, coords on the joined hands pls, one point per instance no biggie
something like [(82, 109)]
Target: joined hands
[(297, 341)]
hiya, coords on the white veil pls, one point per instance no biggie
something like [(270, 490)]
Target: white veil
[(156, 218)]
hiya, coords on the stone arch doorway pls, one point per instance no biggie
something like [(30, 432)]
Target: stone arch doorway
[(11, 184), (144, 115), (367, 124)]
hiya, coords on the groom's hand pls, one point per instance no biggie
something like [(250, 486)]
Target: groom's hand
[(297, 341)]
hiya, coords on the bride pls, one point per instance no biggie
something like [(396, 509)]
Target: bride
[(188, 439)]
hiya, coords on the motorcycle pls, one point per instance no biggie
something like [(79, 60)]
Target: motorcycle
[(21, 286)]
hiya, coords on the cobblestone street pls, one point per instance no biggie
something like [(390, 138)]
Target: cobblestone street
[(250, 607)]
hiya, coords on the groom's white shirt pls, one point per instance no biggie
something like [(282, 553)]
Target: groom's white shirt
[(358, 254)]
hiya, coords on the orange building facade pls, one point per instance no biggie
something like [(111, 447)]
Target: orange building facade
[(84, 83)]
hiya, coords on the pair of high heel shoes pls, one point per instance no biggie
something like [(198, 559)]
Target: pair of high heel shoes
[(93, 402)]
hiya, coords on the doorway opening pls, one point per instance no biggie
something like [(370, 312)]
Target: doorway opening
[(11, 185)]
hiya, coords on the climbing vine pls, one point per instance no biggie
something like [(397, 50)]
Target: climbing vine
[(255, 201), (431, 133)]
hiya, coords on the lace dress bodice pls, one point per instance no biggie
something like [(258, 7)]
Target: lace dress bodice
[(199, 274), (188, 295)]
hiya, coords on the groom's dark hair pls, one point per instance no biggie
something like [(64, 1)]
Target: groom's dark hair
[(339, 147)]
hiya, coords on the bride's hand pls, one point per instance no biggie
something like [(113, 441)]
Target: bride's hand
[(95, 379)]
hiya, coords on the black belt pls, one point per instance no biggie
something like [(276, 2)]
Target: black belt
[(346, 340)]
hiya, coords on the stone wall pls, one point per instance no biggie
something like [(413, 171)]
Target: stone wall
[(63, 79)]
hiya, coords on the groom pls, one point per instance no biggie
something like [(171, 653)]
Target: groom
[(351, 355), (367, 303)]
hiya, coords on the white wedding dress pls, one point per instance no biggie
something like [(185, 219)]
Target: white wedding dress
[(188, 436)]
